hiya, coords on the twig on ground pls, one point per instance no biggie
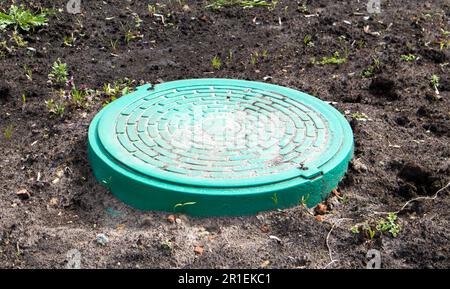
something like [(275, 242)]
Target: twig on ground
[(330, 253), (416, 199), (160, 16)]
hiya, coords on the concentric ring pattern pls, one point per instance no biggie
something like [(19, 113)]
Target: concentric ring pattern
[(215, 133)]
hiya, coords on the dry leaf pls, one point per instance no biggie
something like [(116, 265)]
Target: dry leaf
[(199, 250), (321, 209), (265, 229), (336, 193)]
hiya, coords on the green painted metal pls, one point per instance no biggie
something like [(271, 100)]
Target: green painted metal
[(219, 147)]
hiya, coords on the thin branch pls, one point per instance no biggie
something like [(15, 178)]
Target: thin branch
[(337, 222), (330, 253), (416, 199)]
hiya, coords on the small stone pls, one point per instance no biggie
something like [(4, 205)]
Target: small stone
[(53, 202), (199, 250), (23, 194), (264, 264), (147, 222), (359, 166), (260, 218), (186, 8), (178, 221), (171, 219), (101, 239), (60, 173)]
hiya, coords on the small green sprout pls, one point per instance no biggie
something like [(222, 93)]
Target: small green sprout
[(4, 48), (56, 108), (445, 33), (7, 132), (373, 67), (361, 43), (304, 200), (370, 231), (69, 40), (359, 116), (275, 200), (28, 72), (307, 41), (389, 225), (253, 59), (264, 54), (408, 57), (230, 57), (151, 9), (18, 39), (434, 81), (117, 89), (218, 4), (59, 74), (79, 96), (257, 56), (216, 63), (302, 8), (344, 199), (137, 21), (383, 226), (255, 3), (128, 36), (335, 59), (167, 245), (444, 43), (114, 44), (355, 229)]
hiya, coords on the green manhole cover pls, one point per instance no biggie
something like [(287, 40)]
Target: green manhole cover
[(211, 147)]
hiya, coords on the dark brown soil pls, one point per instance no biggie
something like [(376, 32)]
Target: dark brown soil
[(404, 142)]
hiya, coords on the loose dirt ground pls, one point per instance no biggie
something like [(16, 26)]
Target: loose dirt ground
[(401, 127)]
